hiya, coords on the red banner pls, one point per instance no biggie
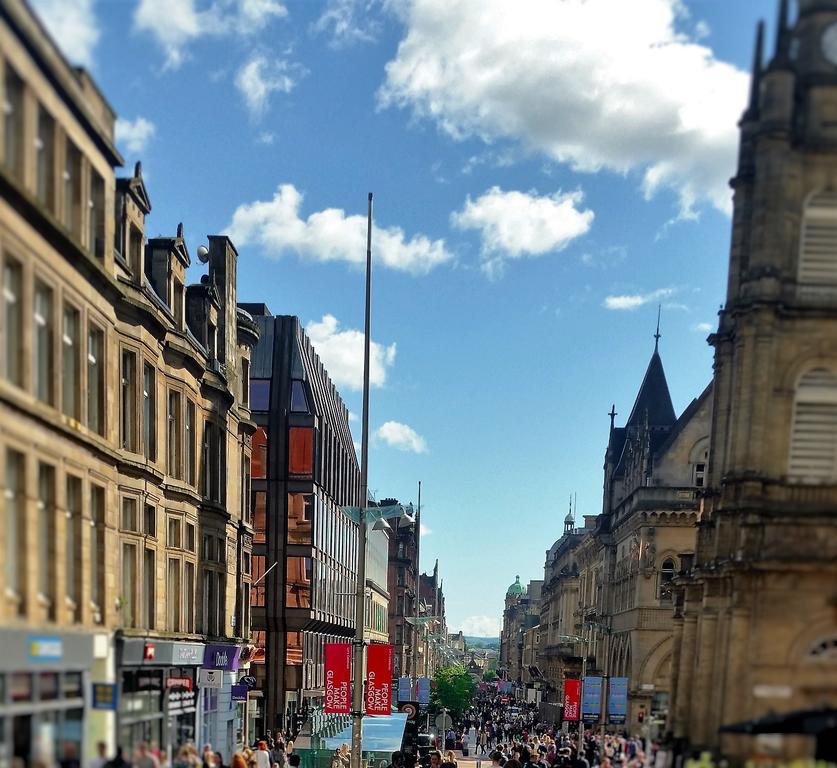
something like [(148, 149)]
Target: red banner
[(378, 679), (338, 674), (572, 699)]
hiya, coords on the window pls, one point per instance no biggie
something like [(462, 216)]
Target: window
[(190, 443), (13, 123), (149, 520), (245, 382), (42, 353), (129, 390), (46, 530), (96, 215), (245, 490), (177, 303), (129, 584), (14, 321), (818, 247), (149, 576), (300, 513), (174, 533), (700, 474), (45, 146), (129, 521), (666, 577), (259, 517), (257, 595), (301, 451), (97, 549), (813, 442), (259, 394), (190, 537), (400, 581), (293, 648), (71, 364), (96, 379), (72, 189), (189, 598), (259, 453), (135, 252), (299, 402), (149, 412), (298, 582), (213, 600), (173, 595), (14, 519), (212, 341), (72, 555), (174, 432)]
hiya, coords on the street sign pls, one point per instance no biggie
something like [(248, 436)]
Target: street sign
[(105, 696), (443, 722), (211, 678)]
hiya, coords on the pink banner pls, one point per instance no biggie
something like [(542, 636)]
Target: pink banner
[(338, 675), (572, 697), (378, 679)]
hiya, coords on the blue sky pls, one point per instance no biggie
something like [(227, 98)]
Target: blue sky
[(542, 181)]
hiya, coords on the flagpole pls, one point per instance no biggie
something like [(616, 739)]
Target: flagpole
[(360, 596)]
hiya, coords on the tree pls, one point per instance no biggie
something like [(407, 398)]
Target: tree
[(454, 690)]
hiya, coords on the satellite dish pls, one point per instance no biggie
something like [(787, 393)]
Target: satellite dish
[(203, 254)]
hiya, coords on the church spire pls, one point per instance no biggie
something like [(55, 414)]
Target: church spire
[(752, 112), (657, 334)]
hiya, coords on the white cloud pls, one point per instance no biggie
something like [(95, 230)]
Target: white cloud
[(176, 23), (400, 436), (134, 135), (341, 350), (259, 77), (703, 327), (634, 94), (266, 137), (353, 417), (424, 530), (481, 626), (514, 224), (329, 235), (348, 22), (73, 25), (635, 300)]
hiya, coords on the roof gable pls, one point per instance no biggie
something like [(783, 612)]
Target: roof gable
[(653, 398)]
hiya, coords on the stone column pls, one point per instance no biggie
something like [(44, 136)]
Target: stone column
[(685, 675), (702, 692), (676, 645)]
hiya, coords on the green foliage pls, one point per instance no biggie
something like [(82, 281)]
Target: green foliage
[(454, 690)]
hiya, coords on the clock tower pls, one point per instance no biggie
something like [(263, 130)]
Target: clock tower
[(756, 612)]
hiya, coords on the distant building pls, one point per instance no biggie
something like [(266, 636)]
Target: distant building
[(432, 596), (402, 583), (522, 612)]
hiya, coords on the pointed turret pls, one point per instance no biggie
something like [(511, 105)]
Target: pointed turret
[(752, 111), (653, 398), (781, 54)]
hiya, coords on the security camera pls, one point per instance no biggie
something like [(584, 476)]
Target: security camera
[(203, 254)]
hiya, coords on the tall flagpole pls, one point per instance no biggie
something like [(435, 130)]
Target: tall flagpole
[(358, 677)]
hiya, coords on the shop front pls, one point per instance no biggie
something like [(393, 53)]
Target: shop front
[(159, 692), (223, 715), (43, 709)]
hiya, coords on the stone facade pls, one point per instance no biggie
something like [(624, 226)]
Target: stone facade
[(402, 582), (522, 612), (124, 428), (756, 621)]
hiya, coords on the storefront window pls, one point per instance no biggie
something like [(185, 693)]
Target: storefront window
[(72, 687), (20, 686), (298, 582), (300, 514), (48, 686)]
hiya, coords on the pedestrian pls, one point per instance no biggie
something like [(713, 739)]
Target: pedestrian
[(219, 760), (262, 755), (341, 757), (208, 757), (279, 758), (238, 760), (101, 759), (397, 760), (118, 761), (144, 758)]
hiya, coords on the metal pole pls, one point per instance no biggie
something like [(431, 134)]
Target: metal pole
[(418, 584), (360, 596)]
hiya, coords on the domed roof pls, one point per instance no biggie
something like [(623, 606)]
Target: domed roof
[(569, 518), (516, 588)]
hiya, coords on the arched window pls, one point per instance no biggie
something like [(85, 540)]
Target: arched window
[(666, 577), (813, 443), (818, 247)]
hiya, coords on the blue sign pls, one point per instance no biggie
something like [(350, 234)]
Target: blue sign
[(423, 691), (105, 696), (46, 648), (617, 700), (405, 689), (591, 699), (239, 692)]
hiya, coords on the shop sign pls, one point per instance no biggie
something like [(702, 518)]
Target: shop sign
[(249, 681), (149, 652), (405, 689), (338, 663), (181, 701), (105, 696), (211, 678), (46, 648), (591, 700), (617, 700), (378, 677), (572, 695), (239, 692), (148, 681), (179, 682), (221, 657), (423, 691), (187, 653)]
